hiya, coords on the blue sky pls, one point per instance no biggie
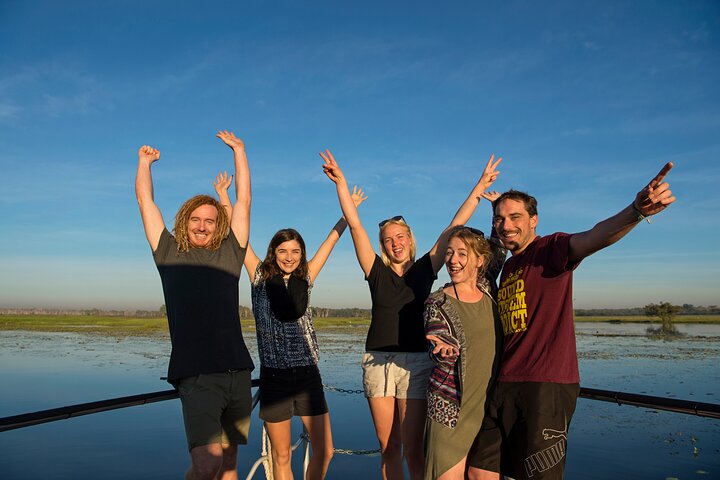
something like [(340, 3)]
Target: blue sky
[(584, 100)]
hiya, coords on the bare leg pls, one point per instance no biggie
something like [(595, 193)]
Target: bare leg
[(228, 470), (318, 427), (478, 474), (456, 472), (279, 433), (387, 428), (412, 424), (206, 462)]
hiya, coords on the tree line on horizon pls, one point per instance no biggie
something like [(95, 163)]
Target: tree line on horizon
[(684, 309)]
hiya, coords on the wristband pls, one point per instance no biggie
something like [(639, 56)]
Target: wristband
[(640, 216)]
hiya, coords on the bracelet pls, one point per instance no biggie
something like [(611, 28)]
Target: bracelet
[(641, 216)]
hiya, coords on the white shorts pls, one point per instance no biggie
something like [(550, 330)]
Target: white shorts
[(396, 374)]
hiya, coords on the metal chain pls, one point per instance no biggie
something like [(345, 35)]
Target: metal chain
[(343, 390), (368, 453), (347, 451)]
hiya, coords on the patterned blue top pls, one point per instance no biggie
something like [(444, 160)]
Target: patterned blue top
[(282, 344)]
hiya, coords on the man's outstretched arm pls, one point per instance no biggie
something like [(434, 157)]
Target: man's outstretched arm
[(240, 219), (149, 211), (653, 199)]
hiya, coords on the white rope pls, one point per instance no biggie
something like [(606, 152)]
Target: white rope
[(267, 455)]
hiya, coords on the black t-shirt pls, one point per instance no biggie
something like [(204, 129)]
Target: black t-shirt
[(397, 306), (201, 297)]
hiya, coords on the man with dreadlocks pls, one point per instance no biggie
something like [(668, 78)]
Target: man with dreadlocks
[(199, 266)]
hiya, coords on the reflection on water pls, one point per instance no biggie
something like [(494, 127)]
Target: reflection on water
[(47, 370)]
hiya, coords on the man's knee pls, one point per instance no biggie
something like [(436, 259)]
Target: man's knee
[(229, 460), (206, 462)]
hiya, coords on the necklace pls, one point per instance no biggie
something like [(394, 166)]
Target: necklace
[(457, 297)]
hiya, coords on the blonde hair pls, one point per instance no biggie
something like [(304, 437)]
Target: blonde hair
[(180, 230), (476, 244), (383, 252)]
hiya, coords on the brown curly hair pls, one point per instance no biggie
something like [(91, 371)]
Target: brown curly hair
[(269, 266), (180, 230)]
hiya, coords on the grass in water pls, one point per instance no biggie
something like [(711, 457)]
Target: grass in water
[(152, 326), (642, 319), (132, 326)]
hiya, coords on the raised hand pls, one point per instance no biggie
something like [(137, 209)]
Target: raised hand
[(442, 349), (222, 182), (231, 140), (656, 196), (491, 196), (148, 153), (490, 173), (358, 196), (331, 168)]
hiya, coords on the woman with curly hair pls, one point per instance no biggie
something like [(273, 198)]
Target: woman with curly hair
[(461, 323), (395, 365)]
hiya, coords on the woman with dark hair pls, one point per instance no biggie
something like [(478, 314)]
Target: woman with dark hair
[(396, 366), (290, 383), (462, 324)]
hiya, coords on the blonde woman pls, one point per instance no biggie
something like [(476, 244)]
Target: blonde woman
[(395, 364)]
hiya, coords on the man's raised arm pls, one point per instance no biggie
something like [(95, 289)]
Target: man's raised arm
[(240, 219), (653, 199), (149, 211)]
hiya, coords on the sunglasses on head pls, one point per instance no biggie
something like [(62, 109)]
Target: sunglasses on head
[(396, 218), (472, 230)]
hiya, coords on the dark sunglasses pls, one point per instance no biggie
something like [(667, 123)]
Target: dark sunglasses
[(396, 218), (472, 230)]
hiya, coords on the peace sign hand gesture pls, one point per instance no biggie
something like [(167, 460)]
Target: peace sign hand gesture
[(490, 173), (331, 168)]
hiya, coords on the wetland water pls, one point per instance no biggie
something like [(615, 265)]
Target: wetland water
[(47, 370)]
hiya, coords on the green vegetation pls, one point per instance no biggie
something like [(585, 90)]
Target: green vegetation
[(642, 319), (333, 322), (666, 312), (83, 323), (158, 326), (685, 309), (132, 326)]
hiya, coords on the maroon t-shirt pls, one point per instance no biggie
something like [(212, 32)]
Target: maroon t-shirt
[(535, 305)]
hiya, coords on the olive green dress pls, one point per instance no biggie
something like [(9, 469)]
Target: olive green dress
[(447, 446)]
